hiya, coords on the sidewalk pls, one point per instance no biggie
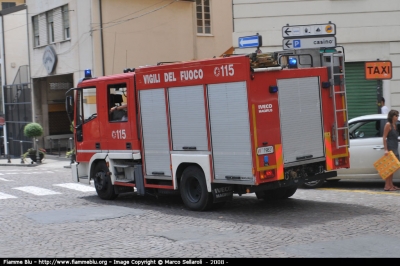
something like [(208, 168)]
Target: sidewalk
[(50, 161)]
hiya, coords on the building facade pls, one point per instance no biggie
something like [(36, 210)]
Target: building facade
[(15, 107), (368, 30), (68, 36)]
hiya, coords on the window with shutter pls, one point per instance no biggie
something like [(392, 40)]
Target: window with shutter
[(65, 16), (43, 29), (50, 26), (36, 37)]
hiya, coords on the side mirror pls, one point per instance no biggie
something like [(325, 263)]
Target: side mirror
[(69, 105)]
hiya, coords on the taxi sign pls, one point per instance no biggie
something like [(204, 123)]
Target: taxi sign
[(378, 70)]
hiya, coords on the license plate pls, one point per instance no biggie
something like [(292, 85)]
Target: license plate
[(265, 150)]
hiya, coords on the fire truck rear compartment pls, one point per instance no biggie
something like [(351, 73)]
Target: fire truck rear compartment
[(301, 120)]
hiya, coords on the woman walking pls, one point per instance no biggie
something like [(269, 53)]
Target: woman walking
[(390, 143)]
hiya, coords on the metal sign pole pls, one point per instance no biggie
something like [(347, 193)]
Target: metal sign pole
[(379, 94)]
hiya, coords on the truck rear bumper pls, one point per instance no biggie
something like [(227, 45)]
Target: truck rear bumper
[(290, 182)]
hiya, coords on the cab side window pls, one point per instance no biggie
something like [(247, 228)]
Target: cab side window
[(117, 103)]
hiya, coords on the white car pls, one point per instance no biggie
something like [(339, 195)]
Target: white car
[(366, 147)]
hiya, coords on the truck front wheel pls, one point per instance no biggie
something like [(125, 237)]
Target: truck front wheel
[(102, 182), (193, 189)]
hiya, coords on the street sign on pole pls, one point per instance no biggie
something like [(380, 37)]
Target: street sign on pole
[(307, 43), (250, 41), (308, 30)]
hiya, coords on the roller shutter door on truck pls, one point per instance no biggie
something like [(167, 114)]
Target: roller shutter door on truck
[(301, 120), (230, 131), (188, 118), (155, 133)]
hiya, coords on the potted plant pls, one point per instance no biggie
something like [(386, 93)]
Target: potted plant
[(31, 153), (34, 130)]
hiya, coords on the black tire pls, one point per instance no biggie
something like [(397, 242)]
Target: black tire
[(332, 180), (277, 194), (272, 194), (193, 189), (313, 184), (218, 205), (289, 191), (102, 182)]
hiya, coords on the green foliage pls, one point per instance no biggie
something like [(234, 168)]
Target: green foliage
[(32, 151), (70, 153), (33, 130)]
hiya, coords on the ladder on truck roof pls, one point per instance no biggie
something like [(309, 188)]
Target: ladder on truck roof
[(335, 63)]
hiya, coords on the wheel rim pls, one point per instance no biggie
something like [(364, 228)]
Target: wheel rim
[(99, 181), (313, 183), (193, 189)]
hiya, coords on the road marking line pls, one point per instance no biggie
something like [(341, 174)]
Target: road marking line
[(37, 191), (79, 187), (29, 173), (6, 196), (363, 191), (3, 179)]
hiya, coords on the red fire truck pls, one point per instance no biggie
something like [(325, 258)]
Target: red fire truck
[(208, 129)]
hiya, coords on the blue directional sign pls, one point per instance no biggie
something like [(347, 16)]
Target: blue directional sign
[(250, 41)]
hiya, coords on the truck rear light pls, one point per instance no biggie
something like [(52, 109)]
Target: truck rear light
[(267, 174), (340, 161), (270, 173)]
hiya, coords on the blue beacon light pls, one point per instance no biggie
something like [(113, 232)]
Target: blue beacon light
[(292, 62), (88, 73)]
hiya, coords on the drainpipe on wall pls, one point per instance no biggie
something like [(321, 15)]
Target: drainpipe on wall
[(29, 62), (194, 14), (101, 38), (3, 82), (3, 55)]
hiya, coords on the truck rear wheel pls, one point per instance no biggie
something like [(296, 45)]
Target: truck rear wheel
[(193, 189), (272, 194), (102, 182), (290, 191), (277, 194), (314, 184)]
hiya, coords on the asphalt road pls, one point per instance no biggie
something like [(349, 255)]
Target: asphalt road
[(44, 214)]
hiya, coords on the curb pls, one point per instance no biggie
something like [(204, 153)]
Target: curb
[(22, 164)]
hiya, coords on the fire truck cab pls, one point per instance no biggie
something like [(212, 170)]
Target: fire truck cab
[(209, 129)]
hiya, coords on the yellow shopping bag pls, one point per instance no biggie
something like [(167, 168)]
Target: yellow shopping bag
[(387, 165)]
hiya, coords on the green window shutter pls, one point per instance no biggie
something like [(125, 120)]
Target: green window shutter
[(361, 93)]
